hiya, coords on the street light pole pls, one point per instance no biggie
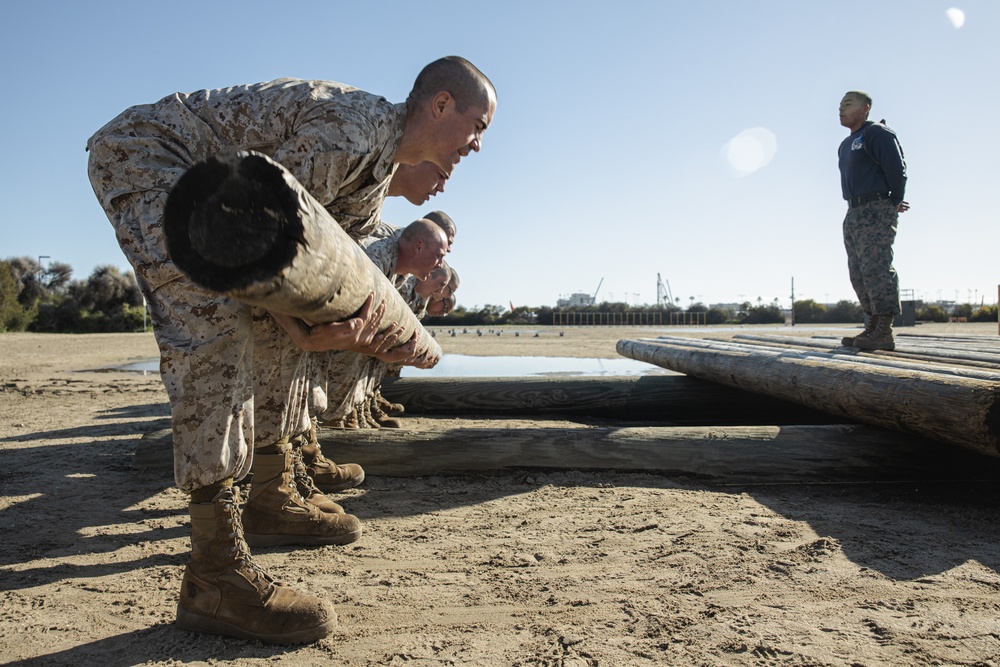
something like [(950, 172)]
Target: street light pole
[(39, 278)]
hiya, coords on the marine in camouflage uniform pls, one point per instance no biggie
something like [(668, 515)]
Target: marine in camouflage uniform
[(345, 375), (223, 361), (873, 181), (337, 141), (350, 379)]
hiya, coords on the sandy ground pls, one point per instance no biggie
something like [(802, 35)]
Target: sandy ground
[(511, 568)]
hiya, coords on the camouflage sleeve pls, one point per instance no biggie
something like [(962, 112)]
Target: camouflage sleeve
[(384, 253), (324, 157)]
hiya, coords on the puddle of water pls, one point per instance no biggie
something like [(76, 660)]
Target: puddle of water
[(463, 365)]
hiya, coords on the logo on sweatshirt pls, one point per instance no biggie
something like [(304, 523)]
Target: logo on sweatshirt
[(858, 143)]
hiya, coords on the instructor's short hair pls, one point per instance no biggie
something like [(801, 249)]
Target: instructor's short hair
[(861, 95)]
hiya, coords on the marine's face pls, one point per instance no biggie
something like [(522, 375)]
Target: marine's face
[(461, 132), (420, 182), (436, 308), (853, 112), (439, 283), (430, 257)]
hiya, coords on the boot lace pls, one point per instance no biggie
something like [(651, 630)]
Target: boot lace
[(304, 482), (240, 551)]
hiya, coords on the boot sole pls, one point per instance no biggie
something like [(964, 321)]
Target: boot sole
[(875, 348), (261, 540), (206, 625)]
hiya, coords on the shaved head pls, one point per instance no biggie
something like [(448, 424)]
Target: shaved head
[(444, 221), (422, 247), (458, 76)]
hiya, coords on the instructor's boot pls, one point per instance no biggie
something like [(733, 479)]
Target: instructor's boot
[(848, 341), (275, 513), (224, 592), (880, 337), (327, 475)]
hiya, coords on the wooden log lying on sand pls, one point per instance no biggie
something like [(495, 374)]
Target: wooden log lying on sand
[(850, 453), (732, 454), (675, 399), (961, 410), (240, 224)]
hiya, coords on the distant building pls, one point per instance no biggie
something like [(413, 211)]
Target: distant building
[(577, 300)]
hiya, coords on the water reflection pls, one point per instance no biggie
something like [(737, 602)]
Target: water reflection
[(463, 365)]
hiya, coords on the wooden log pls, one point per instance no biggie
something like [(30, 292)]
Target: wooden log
[(240, 224), (964, 411), (905, 349), (931, 362), (674, 399), (846, 357), (735, 454)]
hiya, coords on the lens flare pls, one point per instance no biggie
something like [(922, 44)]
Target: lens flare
[(750, 150), (956, 16)]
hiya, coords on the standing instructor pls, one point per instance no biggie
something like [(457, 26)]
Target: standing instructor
[(873, 179)]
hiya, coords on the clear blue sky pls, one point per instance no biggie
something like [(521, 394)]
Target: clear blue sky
[(607, 157)]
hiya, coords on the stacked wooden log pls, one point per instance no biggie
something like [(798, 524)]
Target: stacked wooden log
[(675, 400), (942, 389)]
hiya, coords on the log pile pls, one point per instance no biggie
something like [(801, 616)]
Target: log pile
[(942, 389)]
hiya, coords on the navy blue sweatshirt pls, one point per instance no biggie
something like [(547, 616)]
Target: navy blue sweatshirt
[(871, 160)]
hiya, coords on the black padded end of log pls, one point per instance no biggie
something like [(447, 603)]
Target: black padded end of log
[(230, 222)]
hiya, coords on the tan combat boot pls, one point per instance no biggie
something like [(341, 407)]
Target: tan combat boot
[(384, 420), (351, 420), (307, 487), (275, 513), (880, 337), (327, 475), (366, 413), (224, 592), (848, 341), (390, 408)]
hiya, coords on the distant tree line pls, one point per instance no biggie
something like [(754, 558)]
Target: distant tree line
[(810, 312), (46, 299)]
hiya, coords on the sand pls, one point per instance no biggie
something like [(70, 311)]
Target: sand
[(519, 567)]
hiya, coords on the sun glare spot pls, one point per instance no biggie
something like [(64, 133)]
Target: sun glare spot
[(750, 150), (956, 16)]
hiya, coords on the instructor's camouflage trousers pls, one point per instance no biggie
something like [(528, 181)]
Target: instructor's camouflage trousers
[(869, 232)]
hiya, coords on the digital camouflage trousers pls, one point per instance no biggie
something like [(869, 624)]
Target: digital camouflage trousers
[(869, 232)]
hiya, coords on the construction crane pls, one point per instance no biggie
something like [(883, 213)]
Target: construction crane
[(663, 293), (594, 298)]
